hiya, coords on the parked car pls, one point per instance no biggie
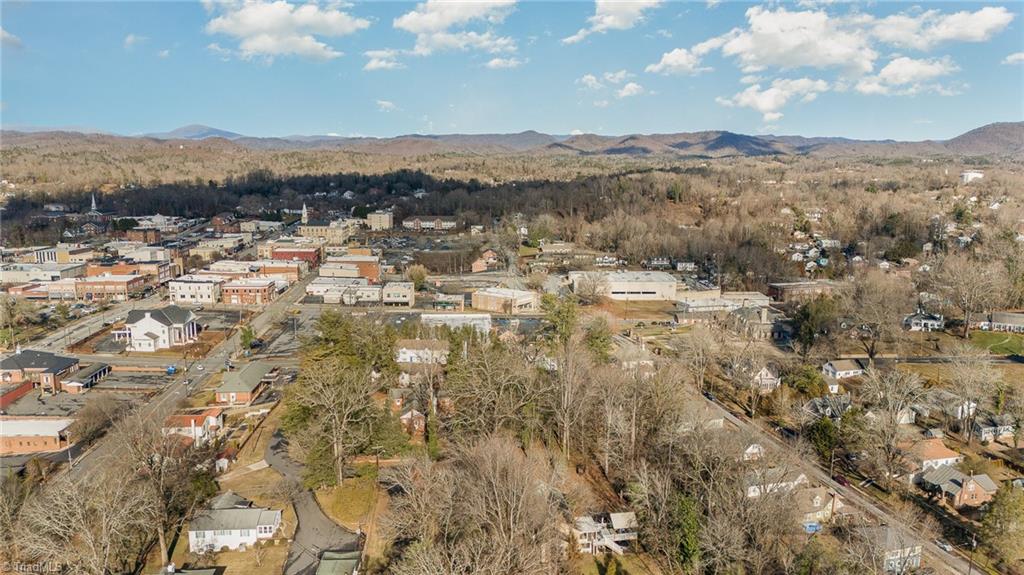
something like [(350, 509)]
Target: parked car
[(841, 480), (944, 545)]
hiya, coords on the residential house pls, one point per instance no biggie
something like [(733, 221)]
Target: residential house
[(599, 534), (844, 368), (992, 427), (155, 329), (831, 406), (816, 505), (201, 427), (753, 452), (899, 551), (232, 522), (421, 352), (44, 369), (406, 406), (928, 454), (767, 380), (243, 386), (923, 321), (772, 479), (957, 488), (952, 405)]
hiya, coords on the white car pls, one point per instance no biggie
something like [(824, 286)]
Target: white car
[(944, 545), (200, 367)]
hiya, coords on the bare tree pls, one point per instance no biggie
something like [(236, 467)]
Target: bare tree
[(700, 351), (95, 528), (890, 394), (744, 360), (571, 392), (591, 288), (491, 509), (877, 305), (336, 401), (972, 286), (167, 470), (973, 378)]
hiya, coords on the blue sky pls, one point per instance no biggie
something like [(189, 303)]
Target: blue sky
[(865, 70)]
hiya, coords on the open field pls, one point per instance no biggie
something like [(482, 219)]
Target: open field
[(999, 343)]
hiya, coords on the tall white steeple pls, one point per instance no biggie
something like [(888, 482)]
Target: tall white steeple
[(94, 201), (305, 214)]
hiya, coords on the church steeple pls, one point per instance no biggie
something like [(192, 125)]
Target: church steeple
[(305, 214), (94, 201)]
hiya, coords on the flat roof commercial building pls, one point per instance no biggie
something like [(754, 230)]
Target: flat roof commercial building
[(630, 286), (20, 436), (193, 290), (249, 291), (507, 301), (47, 272)]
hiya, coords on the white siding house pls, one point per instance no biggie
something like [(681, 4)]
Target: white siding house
[(153, 329), (231, 522)]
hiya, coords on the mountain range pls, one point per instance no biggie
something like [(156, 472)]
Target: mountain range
[(1005, 139)]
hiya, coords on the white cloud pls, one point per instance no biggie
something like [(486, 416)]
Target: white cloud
[(663, 33), (678, 61), (617, 77), (163, 54), (770, 101), (504, 63), (591, 82), (601, 103), (279, 28), (613, 15), (576, 133), (1015, 58), (131, 40), (223, 53), (630, 89), (386, 59), (712, 3), (386, 106), (811, 38), (906, 76), (8, 39), (927, 29), (439, 25)]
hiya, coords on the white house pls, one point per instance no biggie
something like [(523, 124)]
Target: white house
[(199, 427), (968, 176), (767, 380), (990, 426), (773, 479), (929, 454), (154, 329), (421, 351), (844, 368), (922, 321), (600, 534), (231, 522), (194, 289)]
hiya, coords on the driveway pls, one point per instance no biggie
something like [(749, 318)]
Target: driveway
[(316, 532)]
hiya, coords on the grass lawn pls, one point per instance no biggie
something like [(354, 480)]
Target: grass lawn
[(527, 251), (938, 374), (257, 445), (351, 505), (999, 343), (262, 488), (627, 565)]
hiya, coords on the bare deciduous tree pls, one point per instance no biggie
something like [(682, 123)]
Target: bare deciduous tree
[(973, 378), (335, 400), (876, 305), (972, 286), (890, 394)]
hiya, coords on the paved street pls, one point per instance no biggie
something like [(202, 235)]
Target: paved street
[(316, 532)]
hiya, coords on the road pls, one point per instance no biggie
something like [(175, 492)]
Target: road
[(59, 339), (164, 402), (941, 561), (316, 532)]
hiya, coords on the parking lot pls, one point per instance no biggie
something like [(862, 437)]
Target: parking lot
[(219, 319), (60, 405)]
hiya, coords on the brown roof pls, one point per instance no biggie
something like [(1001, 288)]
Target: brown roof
[(930, 450)]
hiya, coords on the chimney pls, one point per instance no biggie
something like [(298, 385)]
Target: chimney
[(17, 349)]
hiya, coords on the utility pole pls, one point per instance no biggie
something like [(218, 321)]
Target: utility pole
[(974, 545)]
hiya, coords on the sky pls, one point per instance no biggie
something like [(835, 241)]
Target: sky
[(869, 70)]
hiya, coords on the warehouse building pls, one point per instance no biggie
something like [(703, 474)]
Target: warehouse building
[(630, 286), (504, 300)]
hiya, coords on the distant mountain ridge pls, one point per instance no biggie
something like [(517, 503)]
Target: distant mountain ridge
[(1004, 139)]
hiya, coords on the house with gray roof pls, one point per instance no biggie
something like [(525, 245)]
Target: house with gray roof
[(339, 562), (245, 385), (155, 329), (232, 522), (958, 488), (899, 550)]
